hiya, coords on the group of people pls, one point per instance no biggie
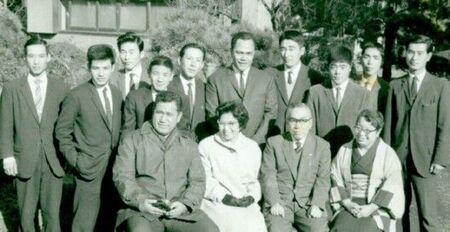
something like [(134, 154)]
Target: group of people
[(281, 149)]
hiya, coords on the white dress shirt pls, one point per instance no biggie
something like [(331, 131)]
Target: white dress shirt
[(31, 82), (137, 71), (343, 87), (102, 99), (185, 83), (294, 74), (420, 76), (237, 74)]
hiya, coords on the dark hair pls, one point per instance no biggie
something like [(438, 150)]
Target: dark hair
[(35, 40), (294, 105), (237, 109), (418, 39), (340, 54), (100, 52), (242, 35), (192, 45), (375, 118), (167, 97), (130, 37), (160, 60), (292, 35), (371, 44)]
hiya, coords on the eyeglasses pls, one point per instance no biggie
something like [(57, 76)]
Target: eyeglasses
[(365, 131), (298, 120)]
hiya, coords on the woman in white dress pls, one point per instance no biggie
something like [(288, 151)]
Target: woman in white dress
[(232, 161)]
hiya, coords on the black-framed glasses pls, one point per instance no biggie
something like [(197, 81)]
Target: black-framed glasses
[(298, 120), (365, 131)]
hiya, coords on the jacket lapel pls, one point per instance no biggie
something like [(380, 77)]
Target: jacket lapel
[(199, 98), (305, 159), (330, 96), (405, 89), (300, 85), (288, 152), (232, 78), (424, 87), (26, 92), (281, 84), (49, 98), (349, 95), (97, 102), (252, 80), (117, 105)]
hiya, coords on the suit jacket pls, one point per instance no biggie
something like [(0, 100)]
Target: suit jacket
[(378, 94), (419, 127), (22, 135), (148, 168), (85, 137), (331, 123), (118, 80), (137, 109), (306, 182), (305, 79), (195, 124), (260, 99)]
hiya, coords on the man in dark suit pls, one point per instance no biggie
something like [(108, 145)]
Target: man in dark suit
[(191, 89), (254, 87), (295, 175), (372, 59), (133, 75), (88, 133), (159, 175), (336, 102), (138, 106), (418, 128), (29, 108), (293, 78)]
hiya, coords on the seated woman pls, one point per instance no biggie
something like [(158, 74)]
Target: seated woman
[(366, 178), (232, 162)]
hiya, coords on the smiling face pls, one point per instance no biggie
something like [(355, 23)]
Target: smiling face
[(365, 133), (228, 127), (130, 55), (371, 61), (417, 57), (161, 77), (191, 62), (165, 117), (340, 72), (101, 71), (299, 122), (37, 59), (291, 52), (243, 53)]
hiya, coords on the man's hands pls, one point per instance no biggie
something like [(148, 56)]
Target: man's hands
[(237, 202), (436, 169), (314, 212), (163, 208), (10, 166), (277, 210), (351, 207), (359, 211)]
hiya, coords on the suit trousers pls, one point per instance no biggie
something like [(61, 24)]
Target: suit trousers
[(295, 218), (43, 189), (141, 224), (86, 202)]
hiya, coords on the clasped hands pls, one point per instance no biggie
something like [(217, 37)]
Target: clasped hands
[(238, 202), (313, 211), (359, 211), (163, 208)]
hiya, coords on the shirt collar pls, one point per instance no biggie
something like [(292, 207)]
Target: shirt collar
[(343, 86), (42, 77), (295, 69), (137, 70), (419, 76), (245, 72), (185, 82)]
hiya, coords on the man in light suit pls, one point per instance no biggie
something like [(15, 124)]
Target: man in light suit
[(295, 175), (29, 108), (138, 106), (293, 78), (133, 75), (191, 89), (336, 103), (254, 87), (418, 128), (88, 133)]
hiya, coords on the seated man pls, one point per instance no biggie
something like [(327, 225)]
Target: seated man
[(159, 175), (295, 175)]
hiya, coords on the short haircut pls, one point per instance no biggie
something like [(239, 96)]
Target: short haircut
[(192, 45), (160, 60), (294, 105), (242, 35), (168, 97), (418, 39), (130, 37), (372, 44), (375, 118), (340, 54), (292, 35), (35, 40), (100, 52), (237, 109)]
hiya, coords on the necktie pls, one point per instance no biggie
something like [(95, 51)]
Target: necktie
[(132, 78), (413, 90), (290, 77), (298, 147), (338, 96), (108, 110), (191, 99), (38, 98), (241, 83)]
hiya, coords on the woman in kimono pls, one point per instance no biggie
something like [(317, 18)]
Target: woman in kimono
[(232, 162), (366, 177)]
